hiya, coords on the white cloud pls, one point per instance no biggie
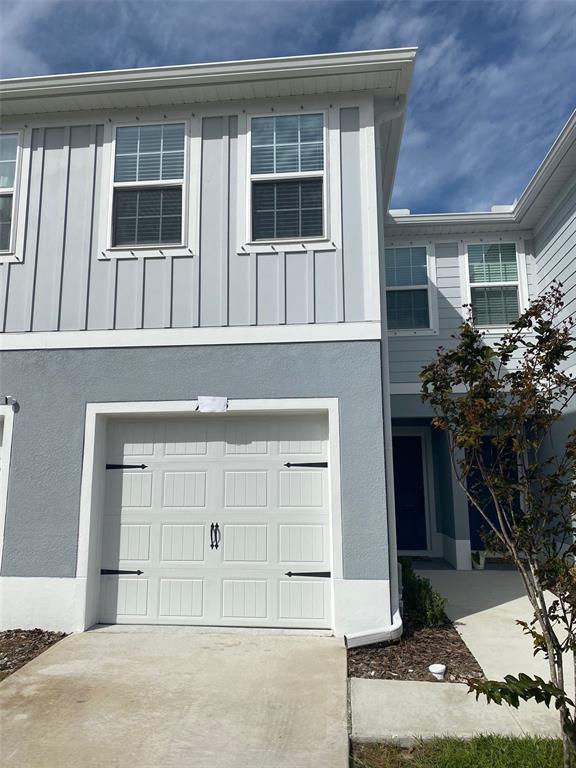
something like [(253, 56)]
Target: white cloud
[(486, 104), (17, 57), (493, 84)]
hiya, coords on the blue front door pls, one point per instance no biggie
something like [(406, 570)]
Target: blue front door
[(409, 493), (478, 525)]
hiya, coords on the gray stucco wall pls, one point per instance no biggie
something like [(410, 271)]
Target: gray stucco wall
[(53, 387)]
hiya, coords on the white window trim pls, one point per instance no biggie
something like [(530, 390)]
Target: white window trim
[(331, 240), (189, 245), (431, 287), (291, 176), (521, 282), (15, 252)]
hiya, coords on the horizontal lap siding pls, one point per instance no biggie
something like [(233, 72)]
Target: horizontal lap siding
[(62, 284), (555, 248), (409, 353)]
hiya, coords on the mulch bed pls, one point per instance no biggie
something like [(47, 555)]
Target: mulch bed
[(19, 646), (410, 657)]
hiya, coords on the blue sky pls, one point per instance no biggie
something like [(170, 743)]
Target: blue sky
[(494, 81)]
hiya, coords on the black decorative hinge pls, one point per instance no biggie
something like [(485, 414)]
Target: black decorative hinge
[(126, 466), (307, 464), (318, 574), (113, 572)]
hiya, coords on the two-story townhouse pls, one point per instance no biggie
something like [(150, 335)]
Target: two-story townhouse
[(435, 265), (195, 417), (175, 234)]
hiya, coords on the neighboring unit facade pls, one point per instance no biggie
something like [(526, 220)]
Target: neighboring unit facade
[(219, 230), (495, 263), (199, 231)]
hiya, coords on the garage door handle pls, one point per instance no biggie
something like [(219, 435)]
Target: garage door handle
[(318, 574), (215, 535), (113, 572)]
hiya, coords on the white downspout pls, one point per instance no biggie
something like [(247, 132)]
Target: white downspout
[(386, 404)]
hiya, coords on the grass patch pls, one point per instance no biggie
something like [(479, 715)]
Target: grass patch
[(481, 752)]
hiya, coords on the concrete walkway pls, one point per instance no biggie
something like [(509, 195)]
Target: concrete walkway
[(174, 698), (484, 606)]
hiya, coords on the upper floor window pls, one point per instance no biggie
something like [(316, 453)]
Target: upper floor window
[(494, 283), (149, 171), (287, 177), (407, 293), (8, 161)]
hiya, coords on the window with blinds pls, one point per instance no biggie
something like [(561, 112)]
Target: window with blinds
[(287, 177), (494, 286), (149, 165), (8, 158), (407, 294)]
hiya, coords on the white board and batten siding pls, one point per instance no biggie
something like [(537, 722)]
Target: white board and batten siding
[(63, 284), (227, 470)]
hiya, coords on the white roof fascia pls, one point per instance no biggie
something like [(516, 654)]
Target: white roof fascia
[(211, 75)]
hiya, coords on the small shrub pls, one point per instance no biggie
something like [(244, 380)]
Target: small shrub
[(421, 599)]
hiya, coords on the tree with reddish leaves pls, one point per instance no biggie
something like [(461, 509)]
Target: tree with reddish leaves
[(502, 408)]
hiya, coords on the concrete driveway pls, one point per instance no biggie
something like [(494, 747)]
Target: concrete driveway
[(175, 698)]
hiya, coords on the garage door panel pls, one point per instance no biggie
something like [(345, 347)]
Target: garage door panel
[(124, 597), (245, 542), (181, 598), (244, 437), (185, 438), (245, 599), (302, 435), (136, 438), (183, 542), (125, 542), (228, 470), (184, 489), (128, 489), (245, 489), (305, 599), (134, 542), (302, 543), (301, 488)]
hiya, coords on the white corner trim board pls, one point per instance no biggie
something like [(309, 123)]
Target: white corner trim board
[(6, 427), (183, 337)]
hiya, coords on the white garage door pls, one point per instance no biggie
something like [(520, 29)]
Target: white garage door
[(215, 520)]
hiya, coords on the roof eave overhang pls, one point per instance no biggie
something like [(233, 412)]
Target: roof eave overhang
[(265, 77)]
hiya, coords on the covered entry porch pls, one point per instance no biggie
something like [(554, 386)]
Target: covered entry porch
[(433, 519)]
